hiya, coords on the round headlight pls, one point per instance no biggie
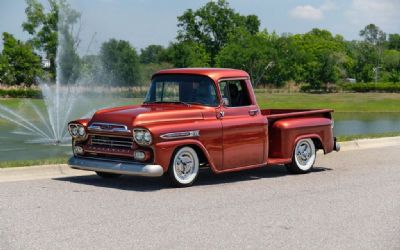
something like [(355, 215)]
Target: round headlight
[(81, 131), (147, 137), (139, 135), (142, 136), (74, 131)]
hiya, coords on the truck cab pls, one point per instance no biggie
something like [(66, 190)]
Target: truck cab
[(198, 117)]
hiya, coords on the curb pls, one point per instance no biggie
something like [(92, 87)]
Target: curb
[(40, 172), (370, 143), (63, 170)]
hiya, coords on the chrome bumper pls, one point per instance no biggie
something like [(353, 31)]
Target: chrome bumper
[(116, 167), (336, 145)]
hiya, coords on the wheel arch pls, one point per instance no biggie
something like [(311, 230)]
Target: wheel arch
[(314, 137), (165, 152)]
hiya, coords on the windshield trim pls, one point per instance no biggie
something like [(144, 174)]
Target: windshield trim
[(213, 83)]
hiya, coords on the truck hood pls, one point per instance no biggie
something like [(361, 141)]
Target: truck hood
[(139, 115)]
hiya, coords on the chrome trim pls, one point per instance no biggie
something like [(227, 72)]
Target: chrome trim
[(116, 167), (111, 141), (143, 142), (233, 79), (97, 127), (77, 137), (179, 135), (336, 145)]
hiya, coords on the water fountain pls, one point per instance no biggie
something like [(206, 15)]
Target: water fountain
[(48, 125)]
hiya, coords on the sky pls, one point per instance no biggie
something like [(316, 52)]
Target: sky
[(145, 22)]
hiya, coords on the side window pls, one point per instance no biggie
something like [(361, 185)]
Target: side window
[(234, 93)]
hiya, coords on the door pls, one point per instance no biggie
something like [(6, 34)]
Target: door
[(243, 127)]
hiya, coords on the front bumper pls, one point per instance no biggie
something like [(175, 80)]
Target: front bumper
[(116, 167)]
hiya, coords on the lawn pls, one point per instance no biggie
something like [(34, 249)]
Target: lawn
[(340, 102)]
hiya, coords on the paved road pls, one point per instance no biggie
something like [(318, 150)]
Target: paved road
[(350, 201)]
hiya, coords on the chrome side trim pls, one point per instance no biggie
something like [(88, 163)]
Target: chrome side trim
[(109, 127), (116, 167), (179, 135)]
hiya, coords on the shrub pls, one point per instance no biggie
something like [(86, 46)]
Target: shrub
[(371, 87), (21, 93)]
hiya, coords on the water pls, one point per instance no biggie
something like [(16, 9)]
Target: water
[(345, 124), (366, 123)]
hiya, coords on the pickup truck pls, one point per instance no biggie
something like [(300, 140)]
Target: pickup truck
[(199, 117)]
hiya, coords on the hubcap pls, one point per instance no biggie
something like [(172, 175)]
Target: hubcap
[(185, 166), (305, 154)]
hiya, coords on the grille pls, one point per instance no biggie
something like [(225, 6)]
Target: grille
[(112, 142)]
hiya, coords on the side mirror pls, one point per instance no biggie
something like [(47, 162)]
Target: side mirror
[(225, 101)]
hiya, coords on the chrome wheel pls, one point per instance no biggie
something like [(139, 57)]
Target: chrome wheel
[(185, 166), (304, 154)]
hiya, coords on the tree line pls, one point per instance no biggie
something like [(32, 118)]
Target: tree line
[(215, 35)]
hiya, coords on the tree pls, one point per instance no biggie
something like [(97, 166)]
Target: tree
[(394, 41), (188, 54), (373, 35), (18, 63), (120, 63), (45, 29), (391, 64), (152, 54), (319, 57), (211, 25), (251, 53)]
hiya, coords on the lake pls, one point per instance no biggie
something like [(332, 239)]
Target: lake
[(13, 146)]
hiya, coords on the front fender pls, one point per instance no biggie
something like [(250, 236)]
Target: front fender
[(163, 152)]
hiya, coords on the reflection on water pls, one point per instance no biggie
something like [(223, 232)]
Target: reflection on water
[(366, 123), (12, 146)]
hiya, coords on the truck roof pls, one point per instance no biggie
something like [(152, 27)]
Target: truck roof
[(213, 73)]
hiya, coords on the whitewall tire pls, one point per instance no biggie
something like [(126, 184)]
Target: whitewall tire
[(303, 159), (184, 167)]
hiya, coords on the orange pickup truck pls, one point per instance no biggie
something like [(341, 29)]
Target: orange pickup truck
[(199, 117)]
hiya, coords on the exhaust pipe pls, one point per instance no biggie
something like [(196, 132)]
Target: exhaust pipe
[(336, 145)]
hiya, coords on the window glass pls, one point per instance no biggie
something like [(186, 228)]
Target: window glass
[(191, 89), (234, 93)]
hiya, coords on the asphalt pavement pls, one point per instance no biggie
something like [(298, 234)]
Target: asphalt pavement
[(350, 201)]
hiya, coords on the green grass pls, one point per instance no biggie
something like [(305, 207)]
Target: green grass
[(340, 102), (25, 163), (367, 136)]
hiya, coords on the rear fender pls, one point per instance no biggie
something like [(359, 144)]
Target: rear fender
[(316, 139), (286, 133)]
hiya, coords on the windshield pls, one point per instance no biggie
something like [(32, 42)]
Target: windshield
[(189, 89)]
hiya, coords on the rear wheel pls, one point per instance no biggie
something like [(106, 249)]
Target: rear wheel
[(303, 158), (184, 167), (107, 175)]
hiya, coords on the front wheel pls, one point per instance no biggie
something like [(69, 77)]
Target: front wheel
[(184, 167), (303, 157)]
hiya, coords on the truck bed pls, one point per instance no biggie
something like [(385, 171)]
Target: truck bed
[(277, 114)]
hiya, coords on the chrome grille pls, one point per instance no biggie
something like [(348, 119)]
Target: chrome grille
[(111, 142)]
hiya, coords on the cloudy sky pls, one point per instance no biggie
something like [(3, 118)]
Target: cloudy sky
[(144, 22)]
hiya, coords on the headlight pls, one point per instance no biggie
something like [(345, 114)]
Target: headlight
[(81, 131), (142, 136), (77, 131)]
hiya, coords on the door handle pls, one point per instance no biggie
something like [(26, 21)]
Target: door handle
[(220, 114), (253, 112)]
